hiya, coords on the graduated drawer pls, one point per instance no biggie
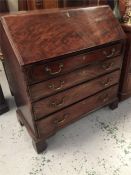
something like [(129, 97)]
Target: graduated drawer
[(48, 126), (56, 102), (43, 71), (62, 82)]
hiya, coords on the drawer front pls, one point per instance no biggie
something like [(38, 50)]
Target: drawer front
[(51, 124), (40, 72), (62, 82), (54, 103)]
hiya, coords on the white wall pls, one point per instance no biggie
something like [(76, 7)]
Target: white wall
[(13, 5)]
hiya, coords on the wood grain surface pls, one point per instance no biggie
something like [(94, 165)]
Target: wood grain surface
[(40, 35)]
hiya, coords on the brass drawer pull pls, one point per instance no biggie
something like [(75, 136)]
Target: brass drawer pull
[(58, 104), (110, 55), (107, 82), (52, 86), (61, 121), (54, 73), (107, 66)]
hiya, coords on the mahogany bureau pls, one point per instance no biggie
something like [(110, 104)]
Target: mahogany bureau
[(64, 64)]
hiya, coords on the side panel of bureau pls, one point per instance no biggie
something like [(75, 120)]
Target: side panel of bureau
[(17, 82), (48, 126)]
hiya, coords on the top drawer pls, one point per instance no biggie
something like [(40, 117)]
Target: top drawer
[(44, 71)]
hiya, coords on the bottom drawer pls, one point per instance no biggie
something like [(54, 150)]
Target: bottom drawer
[(51, 124)]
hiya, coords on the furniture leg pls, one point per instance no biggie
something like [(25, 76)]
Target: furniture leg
[(39, 145), (19, 119), (114, 105)]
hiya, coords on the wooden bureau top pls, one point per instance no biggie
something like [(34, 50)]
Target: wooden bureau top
[(45, 34)]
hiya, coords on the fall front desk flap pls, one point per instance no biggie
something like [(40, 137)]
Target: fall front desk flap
[(45, 34)]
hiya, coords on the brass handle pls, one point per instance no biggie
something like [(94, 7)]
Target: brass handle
[(106, 83), (107, 66), (54, 73), (109, 55), (57, 105), (61, 121), (52, 86)]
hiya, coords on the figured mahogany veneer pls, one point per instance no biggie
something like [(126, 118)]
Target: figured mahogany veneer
[(63, 37), (70, 96), (68, 115), (78, 76), (36, 73), (63, 64)]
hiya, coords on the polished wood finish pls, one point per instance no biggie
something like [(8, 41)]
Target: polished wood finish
[(16, 80), (44, 71), (125, 90), (52, 86), (58, 74), (46, 47), (70, 96), (51, 124)]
